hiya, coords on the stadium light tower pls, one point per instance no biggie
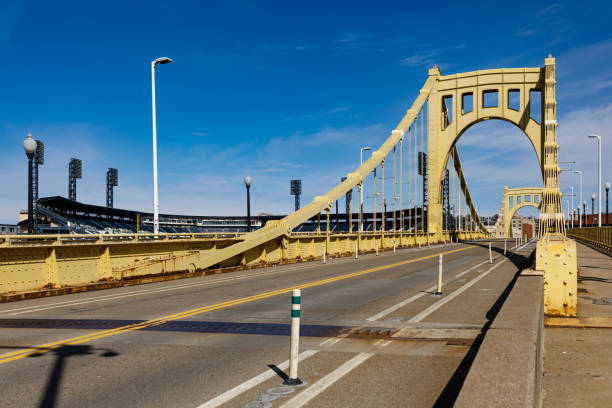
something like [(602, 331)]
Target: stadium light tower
[(75, 171), (162, 60), (296, 190), (39, 158), (112, 180), (29, 145)]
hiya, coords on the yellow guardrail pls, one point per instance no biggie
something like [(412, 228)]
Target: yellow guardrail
[(36, 263), (598, 236)]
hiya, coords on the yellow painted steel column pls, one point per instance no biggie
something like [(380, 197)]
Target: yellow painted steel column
[(360, 187), (401, 191), (51, 269), (374, 213), (350, 213), (319, 224), (409, 182), (394, 193), (105, 270), (383, 218)]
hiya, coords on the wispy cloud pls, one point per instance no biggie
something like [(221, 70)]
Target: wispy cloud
[(199, 134), (339, 109), (526, 31), (420, 58), (550, 10)]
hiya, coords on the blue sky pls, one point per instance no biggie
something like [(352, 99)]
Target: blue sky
[(277, 90)]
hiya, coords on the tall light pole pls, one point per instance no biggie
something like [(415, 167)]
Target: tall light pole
[(607, 187), (579, 172), (162, 60), (598, 175), (584, 214), (247, 183), (29, 145), (572, 188), (362, 190)]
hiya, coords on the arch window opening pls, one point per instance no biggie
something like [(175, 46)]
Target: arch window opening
[(467, 103), (490, 98), (514, 99), (535, 105)]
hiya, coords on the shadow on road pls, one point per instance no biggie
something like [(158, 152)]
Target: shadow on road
[(278, 371), (51, 392), (450, 393)]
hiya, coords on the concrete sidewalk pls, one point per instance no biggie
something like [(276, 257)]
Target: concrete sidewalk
[(578, 359)]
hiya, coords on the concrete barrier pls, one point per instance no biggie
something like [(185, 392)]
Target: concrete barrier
[(508, 367)]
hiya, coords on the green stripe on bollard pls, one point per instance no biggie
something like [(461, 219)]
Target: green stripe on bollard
[(295, 313), (295, 300)]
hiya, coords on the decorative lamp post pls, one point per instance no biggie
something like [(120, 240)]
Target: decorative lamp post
[(29, 145), (247, 183), (162, 60), (584, 214), (607, 187)]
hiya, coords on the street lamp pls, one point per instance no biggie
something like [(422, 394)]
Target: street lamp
[(579, 172), (598, 175), (162, 60), (362, 190), (247, 183), (572, 188), (607, 187), (584, 214), (593, 210), (29, 145)]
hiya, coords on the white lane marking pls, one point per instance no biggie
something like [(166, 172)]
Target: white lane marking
[(247, 385), (315, 389), (453, 295), (234, 392), (419, 295), (334, 341), (36, 308), (378, 342)]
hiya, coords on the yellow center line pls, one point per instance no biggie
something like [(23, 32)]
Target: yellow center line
[(16, 355)]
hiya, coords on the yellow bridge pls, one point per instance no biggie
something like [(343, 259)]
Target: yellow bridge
[(434, 209)]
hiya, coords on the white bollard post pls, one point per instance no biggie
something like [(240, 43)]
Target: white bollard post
[(490, 255), (504, 247), (393, 245), (376, 248), (356, 251), (439, 291), (324, 252), (296, 300)]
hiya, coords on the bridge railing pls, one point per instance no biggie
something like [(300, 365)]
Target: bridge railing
[(73, 262), (598, 236)]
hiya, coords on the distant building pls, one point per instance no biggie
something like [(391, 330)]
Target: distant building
[(8, 229)]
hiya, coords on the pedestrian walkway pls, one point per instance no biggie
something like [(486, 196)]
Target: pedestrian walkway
[(578, 359)]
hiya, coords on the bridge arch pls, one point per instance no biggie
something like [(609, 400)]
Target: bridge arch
[(458, 102), (513, 200)]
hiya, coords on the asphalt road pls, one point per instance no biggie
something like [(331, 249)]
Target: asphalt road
[(374, 334)]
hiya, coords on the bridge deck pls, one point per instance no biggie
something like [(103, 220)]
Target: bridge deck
[(216, 343)]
